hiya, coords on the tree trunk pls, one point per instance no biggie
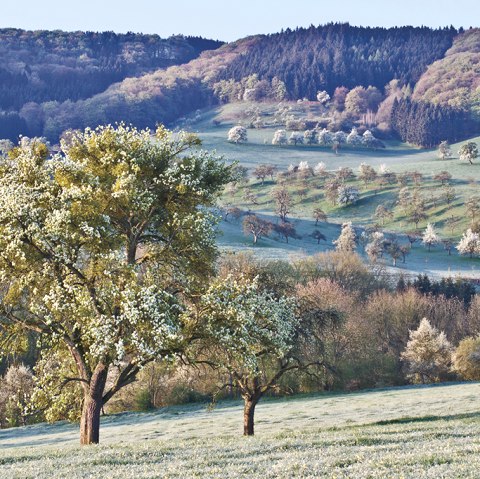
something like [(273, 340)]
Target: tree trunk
[(248, 417), (92, 407)]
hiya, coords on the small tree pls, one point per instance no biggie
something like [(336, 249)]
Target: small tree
[(295, 138), (376, 245), (249, 335), (310, 137), (382, 213), (466, 359), (323, 97), (319, 215), (428, 354), (468, 152), (285, 230), (257, 227), (444, 150), (237, 134), (444, 177), (469, 243), (366, 173), (261, 172), (16, 390), (448, 194), (395, 251), (280, 138), (319, 236), (472, 205), (430, 236), (283, 202), (346, 242), (348, 195)]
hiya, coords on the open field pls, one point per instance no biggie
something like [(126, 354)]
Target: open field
[(412, 432), (397, 157)]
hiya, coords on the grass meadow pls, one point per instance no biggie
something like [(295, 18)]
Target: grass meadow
[(411, 432), (398, 157)]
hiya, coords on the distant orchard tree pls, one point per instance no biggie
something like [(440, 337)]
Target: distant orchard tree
[(346, 242), (340, 137), (469, 243), (261, 172), (344, 173), (375, 247), (427, 355), (332, 187), (319, 236), (444, 150), (319, 215), (444, 177), (285, 230), (280, 138), (383, 213), (296, 138), (323, 97), (395, 251), (348, 195), (320, 169), (353, 138), (366, 173), (430, 237), (448, 194), (310, 137), (468, 152), (324, 137), (257, 227), (237, 134), (472, 205), (283, 202)]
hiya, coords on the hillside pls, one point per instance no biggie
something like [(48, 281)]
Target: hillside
[(455, 79), (44, 67), (415, 432), (293, 64)]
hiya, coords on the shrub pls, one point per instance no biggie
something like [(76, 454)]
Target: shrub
[(466, 359)]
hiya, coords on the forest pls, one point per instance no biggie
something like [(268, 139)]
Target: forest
[(74, 80)]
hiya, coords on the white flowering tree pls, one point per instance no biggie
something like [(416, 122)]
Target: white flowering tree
[(430, 237), (428, 354), (468, 152), (353, 138), (323, 97), (320, 169), (237, 134), (295, 138), (249, 334), (340, 137), (324, 137), (310, 137), (375, 246), (348, 195), (280, 138), (346, 242), (96, 243), (469, 243)]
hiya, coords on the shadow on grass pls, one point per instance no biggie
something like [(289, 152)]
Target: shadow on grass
[(406, 420)]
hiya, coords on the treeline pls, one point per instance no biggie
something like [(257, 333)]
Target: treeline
[(427, 124), (322, 58), (43, 66)]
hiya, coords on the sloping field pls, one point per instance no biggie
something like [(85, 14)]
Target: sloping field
[(421, 432)]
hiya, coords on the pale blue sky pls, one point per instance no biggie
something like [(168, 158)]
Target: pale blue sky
[(230, 19)]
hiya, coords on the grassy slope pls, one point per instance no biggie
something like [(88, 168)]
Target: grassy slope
[(404, 432), (397, 156)]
